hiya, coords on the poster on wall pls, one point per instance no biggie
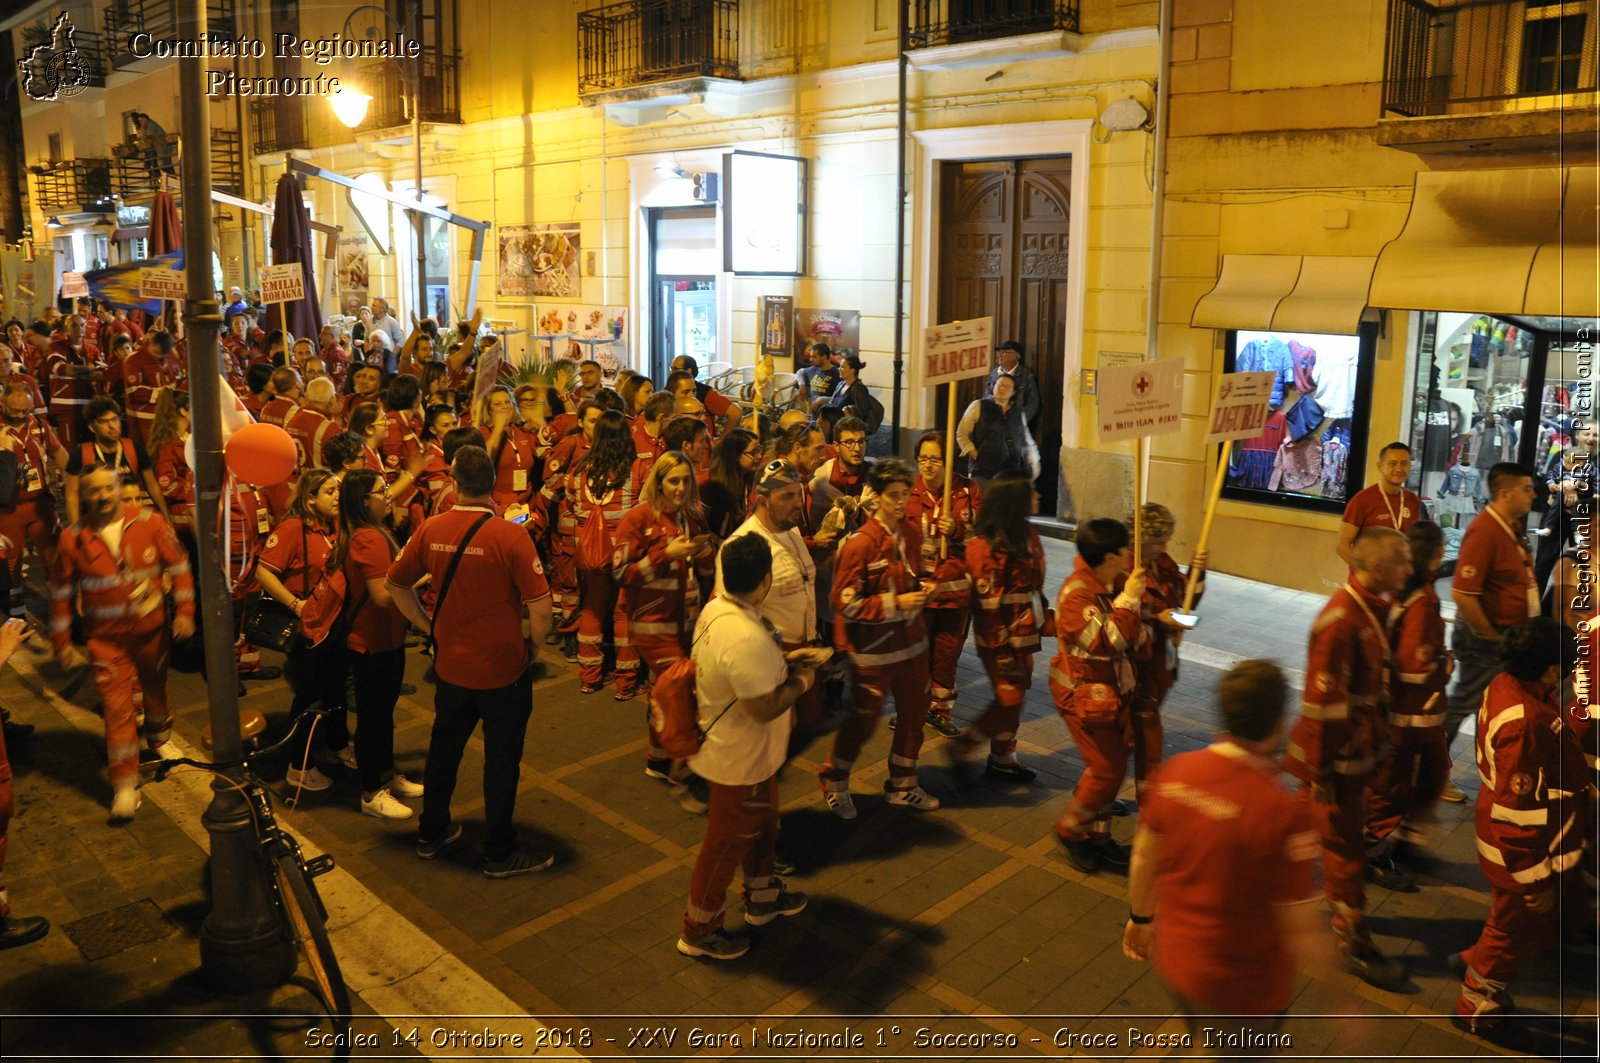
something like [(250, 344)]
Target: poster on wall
[(579, 332), (352, 272), (26, 284), (776, 314), (539, 260), (839, 329)]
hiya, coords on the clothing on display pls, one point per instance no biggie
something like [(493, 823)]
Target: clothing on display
[(1270, 355), (1335, 376)]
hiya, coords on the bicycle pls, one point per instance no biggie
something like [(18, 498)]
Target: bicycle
[(290, 876)]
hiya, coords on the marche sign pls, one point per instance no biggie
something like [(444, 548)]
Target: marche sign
[(1239, 410), (157, 282), (956, 350), (1134, 402)]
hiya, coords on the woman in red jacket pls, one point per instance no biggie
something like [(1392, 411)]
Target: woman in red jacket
[(662, 552), (1006, 566), (169, 431), (949, 611), (1157, 670)]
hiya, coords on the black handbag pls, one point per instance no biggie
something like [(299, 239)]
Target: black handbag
[(270, 623)]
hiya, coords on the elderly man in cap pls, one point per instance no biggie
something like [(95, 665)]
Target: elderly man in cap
[(1008, 362), (236, 305)]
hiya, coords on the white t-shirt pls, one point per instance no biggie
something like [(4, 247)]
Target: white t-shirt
[(791, 604), (737, 659), (112, 534)]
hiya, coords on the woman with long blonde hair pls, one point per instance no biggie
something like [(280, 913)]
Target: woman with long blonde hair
[(169, 431), (509, 445), (661, 552)]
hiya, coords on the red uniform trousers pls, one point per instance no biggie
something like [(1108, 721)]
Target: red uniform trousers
[(29, 522), (117, 661), (7, 806), (1102, 738), (563, 576), (742, 828), (656, 651), (1406, 787), (1340, 823), (872, 686), (1011, 675), (1513, 936), (601, 597), (1155, 682), (947, 635)]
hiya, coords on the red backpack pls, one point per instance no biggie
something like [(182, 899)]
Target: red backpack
[(594, 538), (675, 709)]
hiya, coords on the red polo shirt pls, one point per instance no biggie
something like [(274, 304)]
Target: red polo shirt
[(1495, 566), (375, 629)]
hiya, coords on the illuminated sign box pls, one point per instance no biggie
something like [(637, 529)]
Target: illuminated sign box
[(764, 214)]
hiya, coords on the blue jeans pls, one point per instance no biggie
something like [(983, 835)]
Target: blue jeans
[(1477, 662)]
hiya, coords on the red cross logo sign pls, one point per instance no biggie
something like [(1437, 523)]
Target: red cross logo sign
[(1142, 383)]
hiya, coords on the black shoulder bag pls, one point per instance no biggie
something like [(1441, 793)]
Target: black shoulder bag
[(269, 622), (444, 589)]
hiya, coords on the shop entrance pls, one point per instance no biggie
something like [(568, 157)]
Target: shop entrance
[(1003, 254), (684, 261)]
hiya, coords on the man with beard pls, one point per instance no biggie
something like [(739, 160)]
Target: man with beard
[(364, 388), (31, 517), (846, 475), (117, 560)]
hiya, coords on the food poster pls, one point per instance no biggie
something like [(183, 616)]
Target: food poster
[(352, 272), (839, 329), (579, 332), (539, 260)]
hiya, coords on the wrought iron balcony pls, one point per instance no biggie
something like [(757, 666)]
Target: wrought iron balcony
[(644, 42), (389, 85), (936, 22), (1457, 57), (132, 176), (277, 124), (161, 19), (73, 185)]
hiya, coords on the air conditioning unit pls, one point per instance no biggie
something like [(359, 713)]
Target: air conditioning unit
[(705, 187)]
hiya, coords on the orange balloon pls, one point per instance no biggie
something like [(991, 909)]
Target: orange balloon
[(260, 454)]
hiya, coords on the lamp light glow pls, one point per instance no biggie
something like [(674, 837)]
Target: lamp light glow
[(350, 105)]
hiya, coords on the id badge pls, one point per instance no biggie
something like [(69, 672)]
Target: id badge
[(519, 480), (1533, 602), (263, 522), (35, 482)]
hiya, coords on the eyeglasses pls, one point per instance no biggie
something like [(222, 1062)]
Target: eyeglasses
[(935, 459), (852, 442), (378, 494)]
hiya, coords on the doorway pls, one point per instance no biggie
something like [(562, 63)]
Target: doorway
[(1003, 240), (684, 262)]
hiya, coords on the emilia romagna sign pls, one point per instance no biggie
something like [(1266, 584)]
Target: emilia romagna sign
[(54, 70)]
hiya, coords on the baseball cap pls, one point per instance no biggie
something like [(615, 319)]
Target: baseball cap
[(1010, 345), (777, 474)]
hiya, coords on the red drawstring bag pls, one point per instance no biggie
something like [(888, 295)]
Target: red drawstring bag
[(594, 538)]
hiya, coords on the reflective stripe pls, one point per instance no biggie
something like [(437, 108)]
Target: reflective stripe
[(651, 627), (880, 660), (1058, 676), (701, 915), (1017, 599), (1501, 718), (1415, 678), (1339, 710), (108, 612), (1433, 719), (1091, 631), (952, 585), (60, 593), (98, 583), (1523, 817), (57, 626), (1565, 861), (661, 585), (1359, 766)]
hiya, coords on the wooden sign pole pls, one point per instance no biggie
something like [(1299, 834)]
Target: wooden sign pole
[(1138, 500), (949, 462), (1205, 525)]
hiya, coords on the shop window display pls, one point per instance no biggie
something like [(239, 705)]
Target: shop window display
[(1310, 455)]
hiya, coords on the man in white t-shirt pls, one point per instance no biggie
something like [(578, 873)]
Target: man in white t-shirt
[(745, 685)]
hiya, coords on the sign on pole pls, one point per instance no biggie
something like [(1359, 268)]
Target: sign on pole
[(957, 351), (73, 285), (1239, 410), (159, 283), (1145, 399), (283, 283), (488, 373)]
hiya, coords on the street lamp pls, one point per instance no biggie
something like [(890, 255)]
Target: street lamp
[(350, 105)]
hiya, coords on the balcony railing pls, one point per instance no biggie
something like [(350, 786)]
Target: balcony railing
[(935, 22), (159, 18), (642, 42), (132, 175), (73, 185), (390, 87), (277, 124), (1476, 56)]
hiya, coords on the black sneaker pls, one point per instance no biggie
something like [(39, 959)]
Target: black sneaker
[(782, 866), (717, 945), (1376, 969), (262, 673), (18, 930), (788, 902), (658, 768), (569, 646), (1123, 808), (518, 863), (1012, 772), (942, 723), (430, 850), (1081, 854), (1114, 855), (1387, 872), (693, 795)]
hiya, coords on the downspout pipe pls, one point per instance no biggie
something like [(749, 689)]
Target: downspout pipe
[(1158, 188), (900, 231)]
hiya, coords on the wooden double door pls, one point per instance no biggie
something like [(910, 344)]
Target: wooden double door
[(1003, 254)]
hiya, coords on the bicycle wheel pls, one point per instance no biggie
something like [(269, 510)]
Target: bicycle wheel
[(303, 919)]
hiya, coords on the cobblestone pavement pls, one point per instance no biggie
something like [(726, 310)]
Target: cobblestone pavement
[(967, 921)]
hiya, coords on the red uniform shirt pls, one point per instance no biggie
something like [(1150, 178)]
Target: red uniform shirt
[(1007, 616), (662, 596), (297, 554), (174, 476), (1095, 640), (513, 481), (120, 594), (1371, 508), (1418, 684), (646, 444), (399, 442), (337, 361), (873, 568), (375, 628), (479, 632), (310, 428), (277, 410), (33, 442), (1342, 718), (924, 507), (1233, 845), (142, 377), (1493, 564)]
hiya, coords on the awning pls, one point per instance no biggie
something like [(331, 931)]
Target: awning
[(1503, 242), (1294, 293)]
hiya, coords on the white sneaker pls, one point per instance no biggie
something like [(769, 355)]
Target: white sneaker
[(125, 801), (401, 786), (382, 805), (167, 750), (916, 798), (840, 803), (347, 757), (310, 779)]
